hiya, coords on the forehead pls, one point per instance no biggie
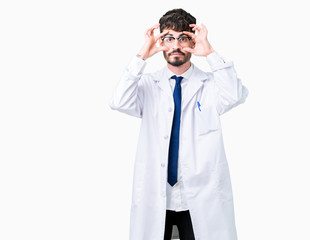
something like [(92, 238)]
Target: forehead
[(173, 33)]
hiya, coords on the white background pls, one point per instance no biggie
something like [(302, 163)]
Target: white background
[(66, 158)]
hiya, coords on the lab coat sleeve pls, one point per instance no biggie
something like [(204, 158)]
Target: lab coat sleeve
[(228, 87), (128, 94)]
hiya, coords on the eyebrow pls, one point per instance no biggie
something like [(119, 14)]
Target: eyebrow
[(171, 35)]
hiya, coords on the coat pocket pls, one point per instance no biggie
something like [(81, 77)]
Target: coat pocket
[(207, 119)]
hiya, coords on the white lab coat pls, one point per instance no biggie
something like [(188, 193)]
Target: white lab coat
[(205, 171)]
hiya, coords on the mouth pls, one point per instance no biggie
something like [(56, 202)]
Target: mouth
[(176, 53)]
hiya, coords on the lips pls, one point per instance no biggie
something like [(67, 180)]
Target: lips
[(176, 53)]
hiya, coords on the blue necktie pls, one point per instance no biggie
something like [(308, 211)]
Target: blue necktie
[(174, 139)]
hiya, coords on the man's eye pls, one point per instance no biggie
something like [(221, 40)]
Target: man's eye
[(182, 39), (169, 39)]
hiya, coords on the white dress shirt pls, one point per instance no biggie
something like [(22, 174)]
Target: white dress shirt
[(176, 200)]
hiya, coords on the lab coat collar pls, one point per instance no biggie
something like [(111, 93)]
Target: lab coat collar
[(195, 82), (186, 75)]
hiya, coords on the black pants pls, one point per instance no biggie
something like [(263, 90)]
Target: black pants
[(183, 222)]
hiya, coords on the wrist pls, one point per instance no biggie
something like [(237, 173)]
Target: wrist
[(141, 56), (209, 52), (144, 52)]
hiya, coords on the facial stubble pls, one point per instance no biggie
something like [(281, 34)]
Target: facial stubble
[(177, 61)]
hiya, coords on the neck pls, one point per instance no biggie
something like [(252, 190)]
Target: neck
[(179, 70)]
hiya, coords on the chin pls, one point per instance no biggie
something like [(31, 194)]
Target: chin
[(176, 63)]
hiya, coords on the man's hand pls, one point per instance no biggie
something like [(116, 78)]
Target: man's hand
[(149, 48), (202, 45)]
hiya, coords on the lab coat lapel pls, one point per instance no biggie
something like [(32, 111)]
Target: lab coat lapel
[(194, 84), (163, 82)]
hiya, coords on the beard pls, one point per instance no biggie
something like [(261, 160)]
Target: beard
[(177, 61)]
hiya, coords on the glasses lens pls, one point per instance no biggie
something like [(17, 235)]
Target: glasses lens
[(169, 41)]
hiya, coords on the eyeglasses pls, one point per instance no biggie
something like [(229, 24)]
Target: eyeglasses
[(169, 41)]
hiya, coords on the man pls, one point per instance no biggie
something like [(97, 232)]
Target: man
[(181, 172)]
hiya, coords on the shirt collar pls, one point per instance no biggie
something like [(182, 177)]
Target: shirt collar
[(186, 75)]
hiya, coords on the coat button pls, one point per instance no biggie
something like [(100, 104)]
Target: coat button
[(166, 137), (170, 109), (162, 165)]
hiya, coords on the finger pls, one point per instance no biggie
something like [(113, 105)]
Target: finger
[(148, 32), (161, 35), (192, 35), (204, 28), (195, 27), (159, 49), (156, 25), (163, 48), (151, 32), (151, 29)]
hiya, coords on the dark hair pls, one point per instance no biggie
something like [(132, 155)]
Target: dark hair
[(177, 20)]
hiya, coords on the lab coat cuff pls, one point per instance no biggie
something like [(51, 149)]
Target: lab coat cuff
[(217, 62), (136, 66)]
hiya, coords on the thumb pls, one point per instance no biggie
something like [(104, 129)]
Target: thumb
[(163, 48), (157, 50), (188, 49)]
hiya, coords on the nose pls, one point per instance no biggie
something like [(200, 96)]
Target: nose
[(176, 44)]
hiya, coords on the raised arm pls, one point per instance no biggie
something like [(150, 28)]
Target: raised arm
[(229, 90), (128, 95)]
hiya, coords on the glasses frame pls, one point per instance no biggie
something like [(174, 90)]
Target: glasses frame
[(175, 38)]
